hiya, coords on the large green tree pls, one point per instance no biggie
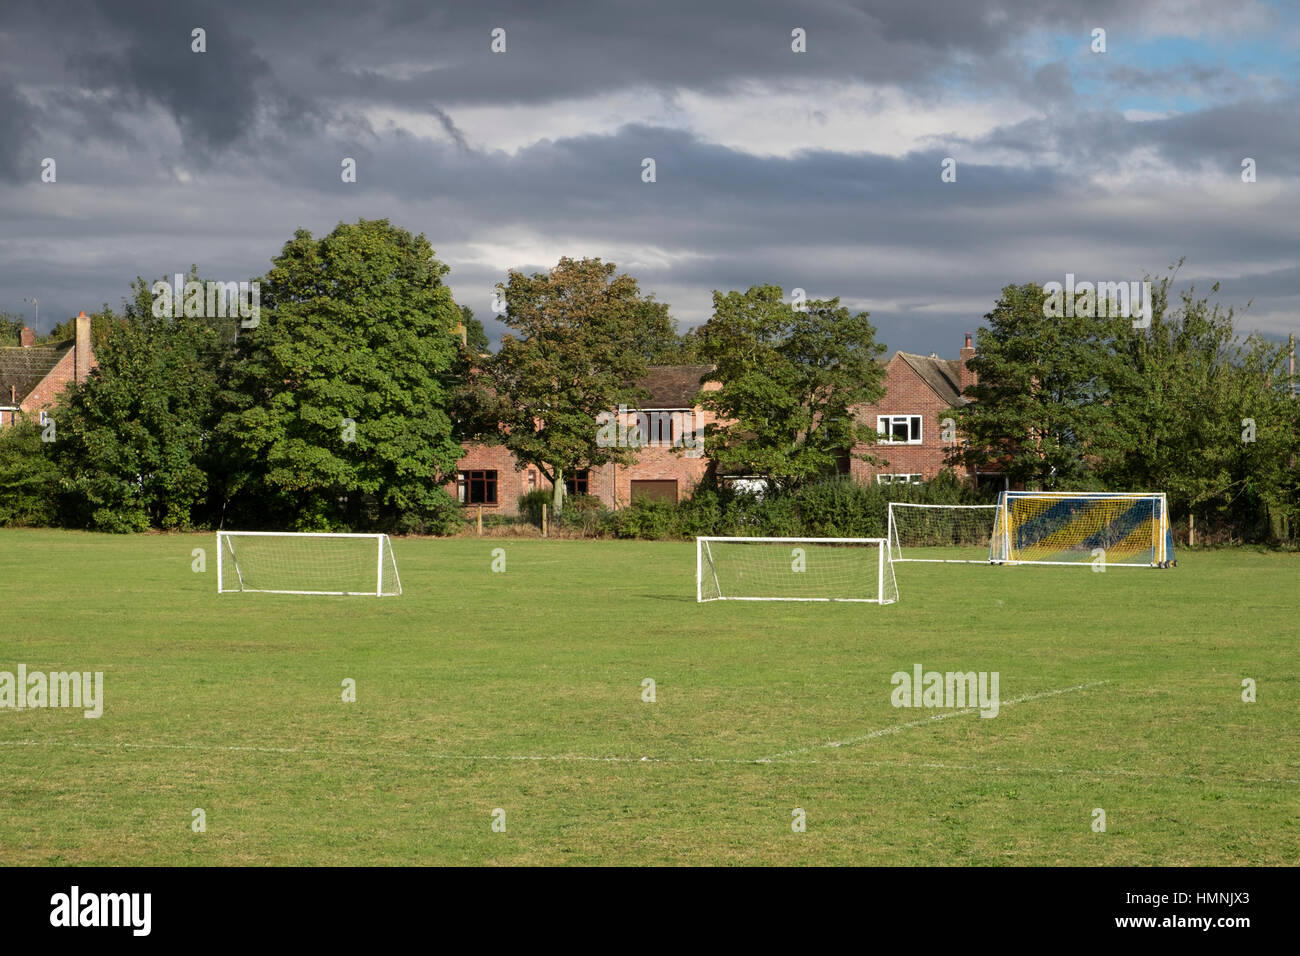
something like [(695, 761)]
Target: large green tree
[(580, 338), (336, 410), (1203, 415), (132, 441), (1040, 407), (790, 381)]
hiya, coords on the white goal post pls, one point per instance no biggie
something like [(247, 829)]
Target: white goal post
[(274, 562), (1114, 529), (794, 569), (942, 534)]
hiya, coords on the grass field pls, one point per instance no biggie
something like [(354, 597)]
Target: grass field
[(523, 691)]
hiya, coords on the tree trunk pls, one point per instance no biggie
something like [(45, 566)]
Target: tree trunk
[(557, 497)]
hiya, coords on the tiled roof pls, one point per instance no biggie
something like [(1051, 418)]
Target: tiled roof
[(24, 369), (673, 386), (942, 375)]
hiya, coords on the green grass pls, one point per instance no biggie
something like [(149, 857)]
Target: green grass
[(522, 691)]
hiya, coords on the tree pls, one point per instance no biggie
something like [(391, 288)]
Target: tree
[(101, 323), (677, 349), (29, 479), (11, 327), (131, 442), (476, 340), (581, 339), (335, 414), (1040, 406), (790, 380), (1203, 416)]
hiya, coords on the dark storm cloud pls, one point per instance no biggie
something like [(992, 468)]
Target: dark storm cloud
[(217, 158), (17, 124)]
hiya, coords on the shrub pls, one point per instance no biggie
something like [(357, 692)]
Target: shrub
[(647, 519), (842, 508), (28, 477), (530, 505), (584, 514)]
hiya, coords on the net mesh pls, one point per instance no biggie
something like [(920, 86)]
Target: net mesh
[(951, 533), (806, 570), (307, 564), (1128, 529)]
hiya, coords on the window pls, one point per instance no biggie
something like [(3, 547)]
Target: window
[(477, 487), (661, 427), (577, 483), (656, 490), (898, 479), (899, 429)]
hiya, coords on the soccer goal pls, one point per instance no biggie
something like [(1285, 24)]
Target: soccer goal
[(1121, 529), (948, 534), (794, 569), (282, 563)]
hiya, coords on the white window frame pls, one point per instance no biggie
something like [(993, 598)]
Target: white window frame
[(674, 417), (910, 478), (885, 423)]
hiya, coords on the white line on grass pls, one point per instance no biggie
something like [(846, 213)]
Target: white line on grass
[(414, 756), (896, 728)]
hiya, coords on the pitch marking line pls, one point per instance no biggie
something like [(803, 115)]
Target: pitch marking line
[(416, 756), (898, 728)]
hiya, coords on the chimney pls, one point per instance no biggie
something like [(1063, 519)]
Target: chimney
[(26, 338), (83, 357), (968, 376)]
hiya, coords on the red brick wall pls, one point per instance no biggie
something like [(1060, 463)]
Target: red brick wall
[(48, 392), (512, 484), (906, 394), (611, 483)]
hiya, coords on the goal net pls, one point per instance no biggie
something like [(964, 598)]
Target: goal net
[(953, 534), (1118, 528), (306, 563), (794, 569)]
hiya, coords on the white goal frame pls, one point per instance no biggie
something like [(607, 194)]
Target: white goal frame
[(382, 546), (897, 554), (883, 566)]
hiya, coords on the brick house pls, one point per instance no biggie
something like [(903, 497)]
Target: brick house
[(32, 377), (489, 475), (919, 391)]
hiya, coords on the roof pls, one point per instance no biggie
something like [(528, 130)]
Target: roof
[(673, 386), (25, 368), (942, 375)]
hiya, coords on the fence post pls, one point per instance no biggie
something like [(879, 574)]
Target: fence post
[(543, 521), (480, 520)]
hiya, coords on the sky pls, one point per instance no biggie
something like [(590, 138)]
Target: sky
[(819, 170)]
